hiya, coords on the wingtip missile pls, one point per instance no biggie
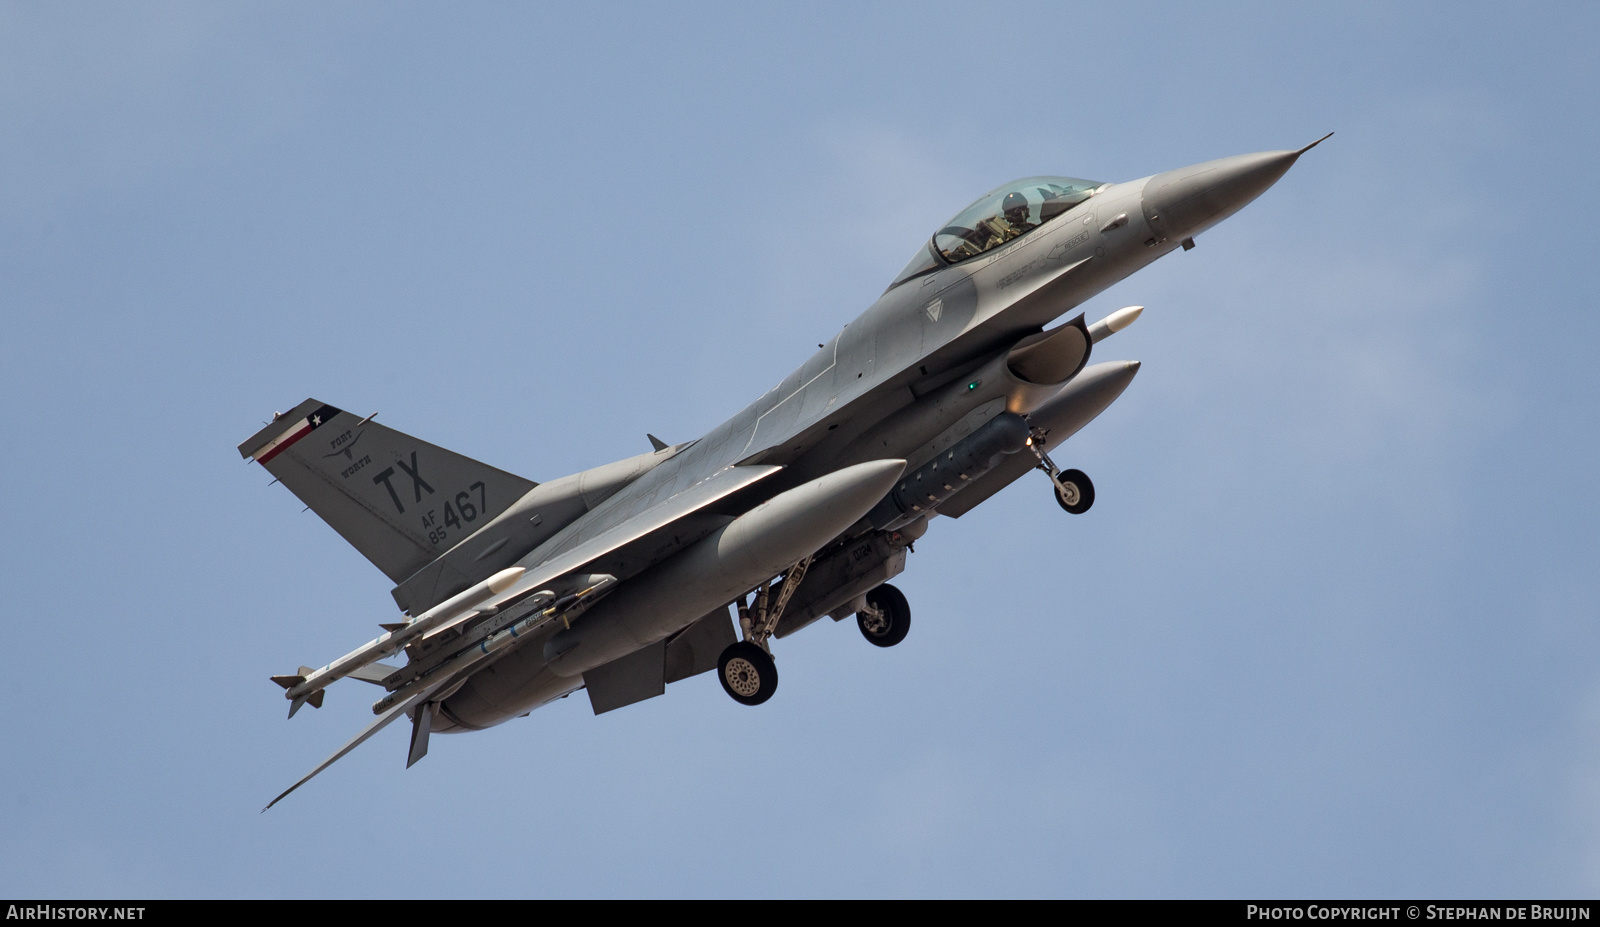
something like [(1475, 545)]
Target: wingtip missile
[(309, 686)]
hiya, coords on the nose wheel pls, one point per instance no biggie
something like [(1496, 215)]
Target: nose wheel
[(1074, 491), (886, 618)]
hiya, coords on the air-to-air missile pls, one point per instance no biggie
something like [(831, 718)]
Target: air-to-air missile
[(308, 686)]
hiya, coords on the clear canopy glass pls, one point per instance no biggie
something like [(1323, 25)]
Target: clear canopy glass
[(920, 263), (999, 216), (1010, 212)]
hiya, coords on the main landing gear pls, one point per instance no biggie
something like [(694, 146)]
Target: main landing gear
[(1074, 492), (747, 673), (885, 618), (745, 669)]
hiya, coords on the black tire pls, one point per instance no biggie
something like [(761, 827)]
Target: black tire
[(1079, 481), (747, 673), (896, 617)]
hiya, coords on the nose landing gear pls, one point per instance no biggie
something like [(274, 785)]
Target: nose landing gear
[(1074, 491)]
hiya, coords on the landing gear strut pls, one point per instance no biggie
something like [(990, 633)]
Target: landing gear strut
[(1074, 492), (886, 618), (746, 669)]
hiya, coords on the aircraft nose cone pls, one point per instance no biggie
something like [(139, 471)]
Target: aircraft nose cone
[(1182, 203)]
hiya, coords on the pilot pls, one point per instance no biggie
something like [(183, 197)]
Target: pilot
[(1015, 210), (1011, 223)]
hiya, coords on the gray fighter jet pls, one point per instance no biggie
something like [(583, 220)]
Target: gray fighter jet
[(619, 580)]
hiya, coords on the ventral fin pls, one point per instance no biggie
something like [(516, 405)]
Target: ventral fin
[(421, 725)]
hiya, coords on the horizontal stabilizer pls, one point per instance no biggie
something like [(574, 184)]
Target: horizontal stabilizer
[(621, 528), (396, 711)]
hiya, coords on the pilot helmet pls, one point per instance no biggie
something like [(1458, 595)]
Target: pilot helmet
[(1015, 207)]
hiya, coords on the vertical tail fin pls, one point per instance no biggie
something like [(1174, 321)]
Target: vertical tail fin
[(398, 500)]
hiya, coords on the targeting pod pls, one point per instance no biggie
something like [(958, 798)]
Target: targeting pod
[(942, 477)]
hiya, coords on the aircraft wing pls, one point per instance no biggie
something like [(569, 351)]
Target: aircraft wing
[(573, 551)]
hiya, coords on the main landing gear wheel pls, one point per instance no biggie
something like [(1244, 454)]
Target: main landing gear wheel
[(1074, 492), (747, 673), (887, 617)]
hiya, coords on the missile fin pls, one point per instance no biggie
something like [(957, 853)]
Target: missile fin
[(294, 706), (288, 682), (315, 698)]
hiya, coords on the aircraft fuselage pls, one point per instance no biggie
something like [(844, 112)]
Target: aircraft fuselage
[(923, 366)]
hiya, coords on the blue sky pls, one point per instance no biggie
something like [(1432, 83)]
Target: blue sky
[(1328, 630)]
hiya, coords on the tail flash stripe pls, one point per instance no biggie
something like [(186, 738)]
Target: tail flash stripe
[(295, 432), (281, 443)]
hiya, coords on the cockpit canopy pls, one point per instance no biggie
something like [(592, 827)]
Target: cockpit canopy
[(999, 216)]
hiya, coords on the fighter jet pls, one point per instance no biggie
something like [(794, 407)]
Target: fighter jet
[(619, 580)]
